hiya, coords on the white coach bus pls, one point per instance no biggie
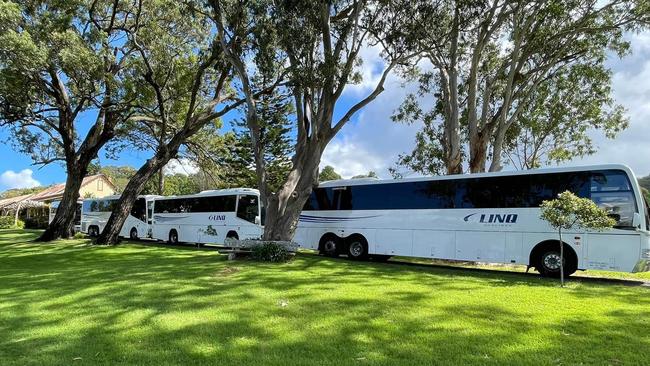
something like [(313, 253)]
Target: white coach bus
[(208, 217), (490, 217), (54, 206), (95, 212)]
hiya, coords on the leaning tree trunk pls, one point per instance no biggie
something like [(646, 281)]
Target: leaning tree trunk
[(62, 226), (283, 208), (111, 232)]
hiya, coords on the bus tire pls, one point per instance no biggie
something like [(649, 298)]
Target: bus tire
[(357, 247), (133, 234), (93, 231), (232, 234), (173, 236), (330, 245), (545, 257)]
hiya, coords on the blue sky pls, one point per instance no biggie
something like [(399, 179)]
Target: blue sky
[(372, 142)]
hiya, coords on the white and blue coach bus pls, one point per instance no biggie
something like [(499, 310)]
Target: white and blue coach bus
[(95, 212), (208, 217), (489, 217)]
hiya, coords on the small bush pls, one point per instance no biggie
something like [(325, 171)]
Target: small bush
[(79, 235), (7, 222), (271, 252)]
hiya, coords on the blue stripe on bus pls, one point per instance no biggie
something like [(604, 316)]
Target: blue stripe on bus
[(323, 219)]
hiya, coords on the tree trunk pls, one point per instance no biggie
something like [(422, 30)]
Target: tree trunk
[(478, 146), (111, 232), (284, 207), (497, 149), (62, 226), (561, 258), (161, 182)]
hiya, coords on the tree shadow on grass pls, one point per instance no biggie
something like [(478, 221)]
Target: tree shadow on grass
[(148, 304)]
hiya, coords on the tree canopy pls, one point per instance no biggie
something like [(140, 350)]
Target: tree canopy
[(515, 80), (328, 173)]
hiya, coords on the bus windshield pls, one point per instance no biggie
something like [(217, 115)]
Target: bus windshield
[(611, 190)]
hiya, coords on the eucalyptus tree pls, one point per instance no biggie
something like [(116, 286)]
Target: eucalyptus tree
[(184, 87), (63, 72), (555, 126), (314, 48), (488, 59)]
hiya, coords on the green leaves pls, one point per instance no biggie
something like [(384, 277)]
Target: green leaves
[(568, 211), (526, 81), (328, 173)]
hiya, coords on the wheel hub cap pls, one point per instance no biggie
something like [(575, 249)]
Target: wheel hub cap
[(356, 249), (330, 246), (552, 261)]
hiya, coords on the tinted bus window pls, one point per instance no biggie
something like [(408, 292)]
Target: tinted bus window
[(98, 205), (320, 199), (196, 204), (488, 192)]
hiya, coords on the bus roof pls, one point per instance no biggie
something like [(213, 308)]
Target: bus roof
[(117, 196), (356, 182), (218, 192)]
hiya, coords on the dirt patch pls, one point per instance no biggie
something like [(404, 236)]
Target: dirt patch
[(227, 271)]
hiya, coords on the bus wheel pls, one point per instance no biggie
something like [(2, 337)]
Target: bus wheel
[(329, 245), (547, 261), (133, 234), (357, 247), (173, 237), (232, 235), (93, 231)]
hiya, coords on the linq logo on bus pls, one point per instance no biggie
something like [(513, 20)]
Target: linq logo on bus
[(217, 217), (492, 218)]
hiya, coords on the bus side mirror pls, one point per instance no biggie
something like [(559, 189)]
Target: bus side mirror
[(636, 220), (258, 220)]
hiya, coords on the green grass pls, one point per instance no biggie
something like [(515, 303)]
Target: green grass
[(70, 303)]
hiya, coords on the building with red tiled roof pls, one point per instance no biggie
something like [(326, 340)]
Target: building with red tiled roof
[(35, 206)]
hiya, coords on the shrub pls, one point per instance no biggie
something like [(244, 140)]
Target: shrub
[(7, 222), (79, 235), (271, 252)]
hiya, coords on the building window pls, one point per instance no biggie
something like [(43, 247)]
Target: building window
[(100, 185)]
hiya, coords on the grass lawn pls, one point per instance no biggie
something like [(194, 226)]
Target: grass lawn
[(69, 303)]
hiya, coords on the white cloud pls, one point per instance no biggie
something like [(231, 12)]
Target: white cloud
[(372, 141), (371, 70), (632, 90), (181, 166), (350, 159), (23, 179)]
